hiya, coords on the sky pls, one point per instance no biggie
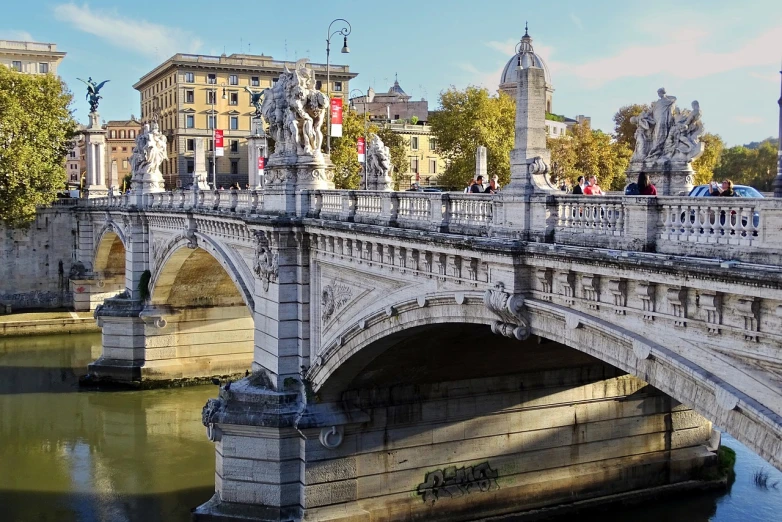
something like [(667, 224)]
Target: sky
[(601, 54)]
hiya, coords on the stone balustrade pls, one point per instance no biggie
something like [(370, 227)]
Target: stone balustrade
[(726, 228)]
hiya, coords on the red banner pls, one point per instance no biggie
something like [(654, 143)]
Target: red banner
[(336, 117), (261, 163), (218, 136), (361, 149)]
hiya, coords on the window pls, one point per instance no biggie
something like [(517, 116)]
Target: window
[(233, 80), (432, 166), (122, 134), (190, 166), (234, 166), (209, 167), (255, 81), (275, 80), (124, 164), (189, 77), (211, 78), (16, 65), (210, 146), (318, 84), (114, 149), (131, 134), (43, 68), (211, 122), (190, 96), (233, 98), (124, 149), (189, 121), (414, 165), (414, 143), (234, 145), (337, 86), (113, 134), (190, 145), (432, 144), (234, 122), (211, 97)]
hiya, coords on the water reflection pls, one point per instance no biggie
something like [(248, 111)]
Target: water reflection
[(67, 455), (86, 456)]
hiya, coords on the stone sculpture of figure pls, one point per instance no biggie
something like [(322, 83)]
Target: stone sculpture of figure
[(256, 100), (149, 153), (378, 164), (643, 135), (662, 117), (689, 141), (317, 104), (92, 92)]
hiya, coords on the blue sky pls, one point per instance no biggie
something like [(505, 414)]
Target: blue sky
[(602, 54)]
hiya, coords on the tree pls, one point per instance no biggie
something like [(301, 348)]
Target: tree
[(36, 129), (586, 152), (347, 169), (397, 145), (624, 129), (754, 167), (704, 165), (469, 118)]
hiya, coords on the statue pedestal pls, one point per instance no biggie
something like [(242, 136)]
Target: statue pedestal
[(287, 176), (670, 178), (95, 147)]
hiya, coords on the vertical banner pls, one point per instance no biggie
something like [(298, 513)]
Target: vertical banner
[(261, 164), (361, 149), (218, 142), (336, 117)]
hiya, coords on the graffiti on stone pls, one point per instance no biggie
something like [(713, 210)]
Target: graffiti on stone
[(453, 483)]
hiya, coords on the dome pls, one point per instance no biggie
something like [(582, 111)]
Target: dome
[(527, 57), (396, 89)]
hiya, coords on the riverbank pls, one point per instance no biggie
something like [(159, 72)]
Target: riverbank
[(46, 323)]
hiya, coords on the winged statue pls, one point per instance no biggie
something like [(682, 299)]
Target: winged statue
[(93, 89)]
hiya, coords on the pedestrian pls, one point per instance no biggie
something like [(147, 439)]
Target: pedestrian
[(579, 188), (645, 186), (469, 186), (593, 189), (496, 180), (477, 187), (726, 189), (493, 188)]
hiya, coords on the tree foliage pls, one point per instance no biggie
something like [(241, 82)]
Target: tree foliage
[(586, 152), (347, 169), (36, 129), (754, 167), (704, 165), (470, 118), (624, 129)]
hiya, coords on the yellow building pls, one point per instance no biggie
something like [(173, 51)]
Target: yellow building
[(193, 94), (424, 163), (30, 57)]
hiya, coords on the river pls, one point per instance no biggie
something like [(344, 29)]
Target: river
[(82, 456)]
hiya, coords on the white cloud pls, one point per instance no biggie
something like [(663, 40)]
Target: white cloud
[(749, 120), (769, 77), (153, 40), (13, 34), (683, 57), (576, 20)]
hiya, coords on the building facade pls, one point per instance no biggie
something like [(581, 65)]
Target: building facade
[(191, 95), (30, 57), (120, 139), (75, 163)]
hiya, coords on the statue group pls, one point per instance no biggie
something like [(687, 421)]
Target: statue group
[(667, 134), (148, 154), (295, 111)]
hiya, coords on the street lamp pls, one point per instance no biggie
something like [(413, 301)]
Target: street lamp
[(345, 31), (366, 145), (213, 124)]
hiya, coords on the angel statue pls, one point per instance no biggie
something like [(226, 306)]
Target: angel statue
[(256, 100), (92, 92)]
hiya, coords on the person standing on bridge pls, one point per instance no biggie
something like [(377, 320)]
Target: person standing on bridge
[(593, 189), (645, 186), (579, 188)]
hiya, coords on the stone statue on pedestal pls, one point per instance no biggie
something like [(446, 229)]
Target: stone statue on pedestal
[(667, 140), (148, 154), (93, 89), (378, 165)]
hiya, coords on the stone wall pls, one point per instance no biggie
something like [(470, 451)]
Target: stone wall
[(35, 262)]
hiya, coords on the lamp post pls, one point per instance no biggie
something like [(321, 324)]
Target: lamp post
[(345, 31), (366, 145), (213, 124)]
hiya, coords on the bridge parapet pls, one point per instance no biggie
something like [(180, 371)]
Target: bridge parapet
[(742, 229)]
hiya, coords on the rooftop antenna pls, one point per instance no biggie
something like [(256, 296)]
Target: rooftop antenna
[(286, 49), (249, 48), (241, 44)]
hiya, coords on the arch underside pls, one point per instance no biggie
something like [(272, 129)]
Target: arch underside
[(109, 258), (740, 415)]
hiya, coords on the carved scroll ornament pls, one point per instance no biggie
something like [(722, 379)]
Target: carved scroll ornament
[(509, 309)]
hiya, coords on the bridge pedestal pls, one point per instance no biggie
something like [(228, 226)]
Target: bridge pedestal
[(89, 293), (147, 343)]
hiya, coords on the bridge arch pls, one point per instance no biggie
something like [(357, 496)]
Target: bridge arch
[(109, 258), (370, 335), (187, 265)]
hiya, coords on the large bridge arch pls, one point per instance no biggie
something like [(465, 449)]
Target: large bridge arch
[(109, 258), (366, 337)]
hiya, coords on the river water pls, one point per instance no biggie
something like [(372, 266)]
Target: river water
[(70, 455)]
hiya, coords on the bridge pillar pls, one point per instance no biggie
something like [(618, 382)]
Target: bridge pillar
[(89, 292)]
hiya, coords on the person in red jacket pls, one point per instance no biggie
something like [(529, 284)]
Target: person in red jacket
[(593, 189), (645, 187)]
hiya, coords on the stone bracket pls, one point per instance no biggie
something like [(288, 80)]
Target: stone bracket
[(509, 308)]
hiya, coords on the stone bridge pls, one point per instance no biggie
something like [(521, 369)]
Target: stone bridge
[(367, 318)]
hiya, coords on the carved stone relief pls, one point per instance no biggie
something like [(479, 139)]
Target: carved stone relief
[(266, 260), (749, 309), (677, 305), (333, 298), (509, 308)]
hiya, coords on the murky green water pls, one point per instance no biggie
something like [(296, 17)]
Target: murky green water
[(69, 455)]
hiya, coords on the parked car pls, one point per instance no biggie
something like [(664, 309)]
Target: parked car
[(739, 191)]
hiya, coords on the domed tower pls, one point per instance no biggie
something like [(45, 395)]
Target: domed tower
[(397, 91), (526, 57)]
